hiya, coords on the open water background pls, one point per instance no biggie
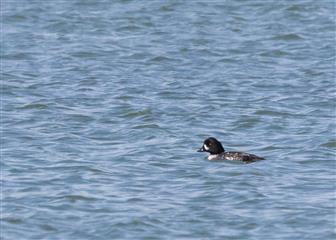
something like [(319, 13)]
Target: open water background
[(104, 104)]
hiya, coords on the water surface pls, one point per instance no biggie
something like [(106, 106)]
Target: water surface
[(105, 103)]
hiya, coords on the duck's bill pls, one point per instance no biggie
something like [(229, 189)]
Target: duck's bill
[(200, 150)]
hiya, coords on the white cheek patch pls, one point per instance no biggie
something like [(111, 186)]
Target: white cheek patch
[(206, 147)]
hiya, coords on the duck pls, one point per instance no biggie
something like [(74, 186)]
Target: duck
[(217, 152)]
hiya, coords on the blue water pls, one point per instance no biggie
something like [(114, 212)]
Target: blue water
[(104, 104)]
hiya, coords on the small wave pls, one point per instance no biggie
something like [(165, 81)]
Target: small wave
[(161, 59), (80, 117), (272, 113), (274, 53), (330, 144), (18, 56), (129, 28), (34, 106), (12, 220), (288, 37), (146, 126), (145, 112), (48, 227), (75, 198)]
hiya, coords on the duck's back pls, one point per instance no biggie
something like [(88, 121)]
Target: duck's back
[(241, 156)]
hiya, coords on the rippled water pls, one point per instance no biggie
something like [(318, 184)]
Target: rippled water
[(105, 103)]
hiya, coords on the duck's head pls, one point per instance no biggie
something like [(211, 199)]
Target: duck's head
[(212, 146)]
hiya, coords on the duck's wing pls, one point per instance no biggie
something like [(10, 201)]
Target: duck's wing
[(242, 156), (252, 158)]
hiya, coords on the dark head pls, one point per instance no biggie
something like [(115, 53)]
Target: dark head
[(212, 146)]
